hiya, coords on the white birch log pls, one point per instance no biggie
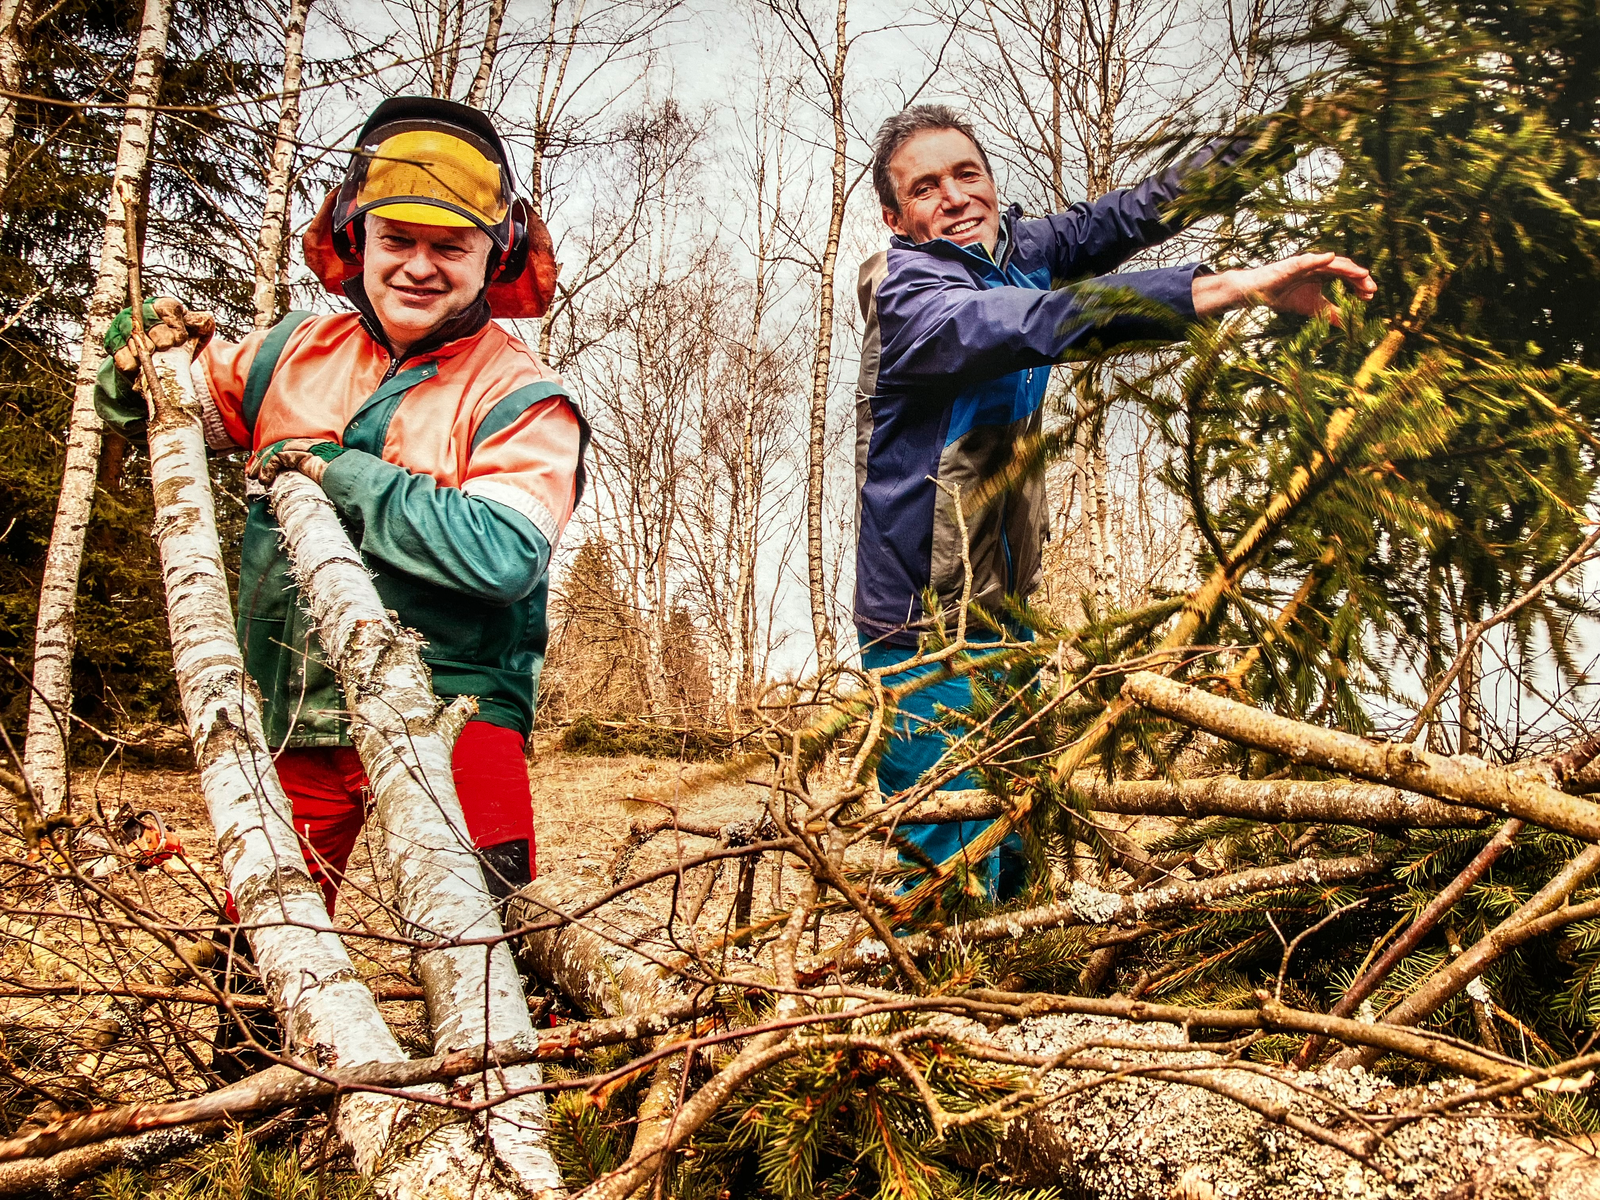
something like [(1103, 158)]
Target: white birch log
[(330, 1015), (415, 1152), (269, 242), (404, 736), (55, 633), (596, 960)]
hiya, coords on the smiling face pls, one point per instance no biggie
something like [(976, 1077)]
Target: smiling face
[(419, 276), (944, 191)]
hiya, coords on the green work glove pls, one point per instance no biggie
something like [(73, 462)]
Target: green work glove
[(309, 456), (167, 323)]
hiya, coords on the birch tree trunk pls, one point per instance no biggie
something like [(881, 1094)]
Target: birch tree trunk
[(817, 442), (740, 687), (270, 248), (405, 737), (746, 511), (49, 707), (328, 1012), (478, 96), (1102, 536), (14, 16)]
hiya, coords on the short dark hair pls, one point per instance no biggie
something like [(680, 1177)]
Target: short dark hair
[(900, 129)]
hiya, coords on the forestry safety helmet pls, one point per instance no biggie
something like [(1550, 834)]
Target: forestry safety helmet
[(436, 162)]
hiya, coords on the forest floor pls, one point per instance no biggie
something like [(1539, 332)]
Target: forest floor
[(112, 1049), (119, 932)]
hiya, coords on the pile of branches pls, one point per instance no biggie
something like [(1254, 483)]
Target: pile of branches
[(1263, 947)]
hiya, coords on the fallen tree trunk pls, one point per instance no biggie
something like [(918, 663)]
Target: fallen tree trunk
[(1460, 780), (328, 1013), (1182, 1122), (284, 1087), (55, 1175), (1336, 802), (404, 736), (44, 989), (595, 960), (1088, 905)]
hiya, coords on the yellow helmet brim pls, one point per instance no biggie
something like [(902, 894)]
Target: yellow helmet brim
[(423, 214)]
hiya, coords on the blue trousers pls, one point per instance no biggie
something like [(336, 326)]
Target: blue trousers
[(914, 744)]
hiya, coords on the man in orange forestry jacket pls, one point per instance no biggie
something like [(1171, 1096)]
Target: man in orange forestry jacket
[(453, 455)]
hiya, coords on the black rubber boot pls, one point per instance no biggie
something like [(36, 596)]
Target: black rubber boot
[(233, 969), (506, 868)]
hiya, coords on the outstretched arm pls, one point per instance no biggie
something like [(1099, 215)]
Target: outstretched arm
[(1291, 285), (937, 324), (1096, 237)]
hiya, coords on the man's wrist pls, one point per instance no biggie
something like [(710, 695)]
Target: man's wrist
[(1215, 294)]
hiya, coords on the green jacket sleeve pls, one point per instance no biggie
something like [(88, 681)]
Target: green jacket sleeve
[(411, 525), (119, 404)]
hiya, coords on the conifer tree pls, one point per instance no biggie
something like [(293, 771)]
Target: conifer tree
[(1365, 489)]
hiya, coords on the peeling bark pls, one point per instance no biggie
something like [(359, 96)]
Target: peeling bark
[(404, 736), (329, 1015), (593, 959)]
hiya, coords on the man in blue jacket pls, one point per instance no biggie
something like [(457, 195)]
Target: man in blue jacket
[(965, 314)]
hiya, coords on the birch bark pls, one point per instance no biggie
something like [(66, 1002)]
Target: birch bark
[(478, 95), (1458, 780), (49, 706), (405, 736), (270, 247), (330, 1015), (13, 22), (817, 441)]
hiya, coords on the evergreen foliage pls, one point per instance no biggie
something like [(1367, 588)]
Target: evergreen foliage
[(203, 188), (239, 1167), (1365, 489)]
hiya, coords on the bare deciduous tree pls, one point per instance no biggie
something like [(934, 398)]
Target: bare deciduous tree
[(825, 55), (272, 243)]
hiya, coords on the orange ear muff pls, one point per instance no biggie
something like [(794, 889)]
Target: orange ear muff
[(530, 292), (321, 249)]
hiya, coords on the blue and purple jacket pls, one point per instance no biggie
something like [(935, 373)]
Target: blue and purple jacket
[(954, 364)]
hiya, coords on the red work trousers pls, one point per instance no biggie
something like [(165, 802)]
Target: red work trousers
[(329, 791)]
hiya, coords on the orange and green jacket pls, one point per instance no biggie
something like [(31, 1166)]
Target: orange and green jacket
[(462, 464)]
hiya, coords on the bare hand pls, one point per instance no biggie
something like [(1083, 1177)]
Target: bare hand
[(176, 326), (1291, 285)]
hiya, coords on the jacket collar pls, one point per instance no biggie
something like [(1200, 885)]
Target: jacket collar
[(466, 324), (1005, 243)]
